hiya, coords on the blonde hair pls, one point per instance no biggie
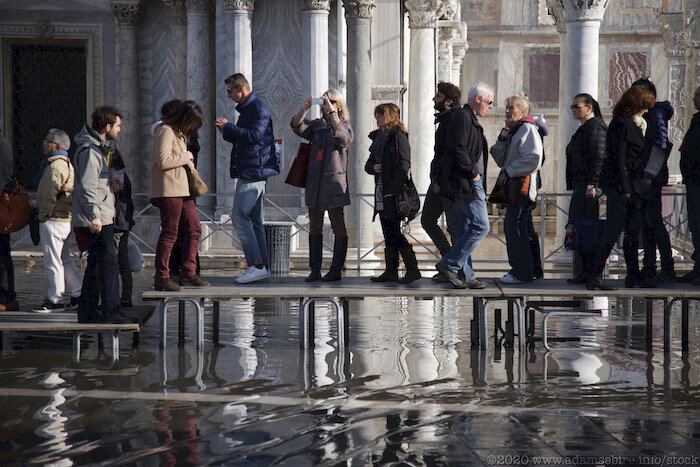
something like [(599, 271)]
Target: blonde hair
[(335, 95), (520, 101), (391, 114)]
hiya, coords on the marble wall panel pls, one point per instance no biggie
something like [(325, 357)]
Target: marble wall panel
[(277, 75), (480, 64), (643, 6), (623, 69), (541, 80), (482, 12)]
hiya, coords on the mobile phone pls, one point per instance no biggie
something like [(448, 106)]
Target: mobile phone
[(317, 101)]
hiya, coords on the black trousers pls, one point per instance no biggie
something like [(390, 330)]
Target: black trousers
[(433, 207), (7, 271), (655, 233), (101, 279), (584, 207), (391, 228)]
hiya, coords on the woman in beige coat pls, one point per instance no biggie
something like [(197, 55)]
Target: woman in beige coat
[(170, 192)]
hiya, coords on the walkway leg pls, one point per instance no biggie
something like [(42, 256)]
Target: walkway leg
[(522, 332), (346, 321), (311, 319), (303, 324), (115, 345), (684, 325), (216, 322), (667, 328), (483, 337), (200, 323), (76, 345), (180, 323), (474, 329), (650, 342), (163, 324)]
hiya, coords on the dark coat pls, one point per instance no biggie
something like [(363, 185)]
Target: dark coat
[(625, 161), (123, 202), (690, 153), (396, 163), (7, 163), (657, 135), (327, 176), (253, 155), (443, 121), (585, 153), (464, 144)]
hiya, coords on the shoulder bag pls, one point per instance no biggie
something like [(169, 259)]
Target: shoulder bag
[(197, 185), (15, 209), (300, 167), (507, 194)]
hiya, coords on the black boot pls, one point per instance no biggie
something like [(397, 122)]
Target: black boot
[(597, 282), (409, 260), (315, 257), (340, 250), (391, 273)]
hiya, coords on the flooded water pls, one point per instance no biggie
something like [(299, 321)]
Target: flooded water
[(408, 390)]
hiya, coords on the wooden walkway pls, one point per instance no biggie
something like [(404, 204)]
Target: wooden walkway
[(67, 322), (337, 293)]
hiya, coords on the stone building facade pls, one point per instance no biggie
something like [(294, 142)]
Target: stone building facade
[(61, 58)]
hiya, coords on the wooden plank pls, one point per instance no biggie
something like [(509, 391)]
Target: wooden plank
[(68, 321)]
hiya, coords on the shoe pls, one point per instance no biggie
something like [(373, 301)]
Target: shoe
[(194, 280), (118, 317), (49, 307), (665, 277), (73, 305), (439, 278), (412, 275), (538, 274), (253, 274), (476, 284), (315, 257), (596, 282), (580, 278), (451, 276), (340, 250), (689, 277), (391, 273), (126, 304), (638, 282), (510, 279), (9, 306), (166, 285)]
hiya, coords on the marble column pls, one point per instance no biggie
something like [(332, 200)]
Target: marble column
[(236, 44), (199, 82), (422, 21), (127, 14), (314, 18), (674, 42), (459, 50), (358, 14), (448, 31)]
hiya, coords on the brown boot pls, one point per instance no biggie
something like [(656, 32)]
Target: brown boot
[(167, 285), (195, 281), (9, 306)]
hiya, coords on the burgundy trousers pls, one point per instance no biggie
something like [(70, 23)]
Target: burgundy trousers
[(173, 213)]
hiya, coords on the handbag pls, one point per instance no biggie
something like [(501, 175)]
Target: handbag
[(197, 185), (15, 209), (300, 167), (507, 193), (408, 201), (583, 234)]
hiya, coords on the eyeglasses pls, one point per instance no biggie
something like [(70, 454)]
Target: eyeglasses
[(573, 107)]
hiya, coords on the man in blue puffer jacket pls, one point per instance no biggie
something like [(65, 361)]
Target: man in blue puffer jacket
[(253, 160)]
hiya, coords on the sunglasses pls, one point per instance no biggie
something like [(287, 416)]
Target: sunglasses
[(574, 107)]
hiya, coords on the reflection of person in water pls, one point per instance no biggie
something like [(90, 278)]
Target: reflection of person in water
[(176, 428)]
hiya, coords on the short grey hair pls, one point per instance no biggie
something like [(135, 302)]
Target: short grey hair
[(59, 137), (480, 89)]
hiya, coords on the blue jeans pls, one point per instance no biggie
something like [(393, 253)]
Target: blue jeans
[(517, 241), (471, 227), (246, 217)]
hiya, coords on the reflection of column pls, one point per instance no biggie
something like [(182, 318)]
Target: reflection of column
[(127, 14), (358, 14), (421, 361), (422, 16), (237, 44), (315, 52), (199, 86)]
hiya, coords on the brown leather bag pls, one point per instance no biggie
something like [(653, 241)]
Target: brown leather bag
[(197, 185), (507, 193), (15, 209), (300, 167)]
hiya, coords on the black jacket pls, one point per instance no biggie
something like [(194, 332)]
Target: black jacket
[(690, 153), (396, 162), (625, 156), (585, 153), (123, 203), (464, 144), (443, 121)]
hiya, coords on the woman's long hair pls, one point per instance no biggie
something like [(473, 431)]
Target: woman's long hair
[(392, 116), (633, 101), (588, 100), (335, 95), (187, 118)]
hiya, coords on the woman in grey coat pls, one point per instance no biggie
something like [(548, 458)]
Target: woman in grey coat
[(327, 178)]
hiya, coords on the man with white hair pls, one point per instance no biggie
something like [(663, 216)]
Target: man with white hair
[(55, 197), (463, 180)]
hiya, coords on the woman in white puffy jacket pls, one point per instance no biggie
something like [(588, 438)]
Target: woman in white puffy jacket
[(518, 152)]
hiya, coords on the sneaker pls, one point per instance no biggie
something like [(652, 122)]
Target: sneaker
[(49, 307), (476, 284), (510, 279), (73, 305), (253, 274)]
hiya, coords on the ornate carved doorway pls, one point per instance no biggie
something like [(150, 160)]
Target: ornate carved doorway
[(48, 91)]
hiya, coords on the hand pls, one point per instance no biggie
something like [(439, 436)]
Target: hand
[(307, 104), (67, 188), (327, 107), (504, 133), (96, 226), (502, 178), (220, 122), (590, 192), (377, 168), (117, 186), (647, 181), (436, 188), (191, 156)]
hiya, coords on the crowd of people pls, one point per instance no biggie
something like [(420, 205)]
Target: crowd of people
[(626, 160)]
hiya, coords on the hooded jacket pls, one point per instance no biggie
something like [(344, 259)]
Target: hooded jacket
[(253, 155), (92, 196), (54, 192)]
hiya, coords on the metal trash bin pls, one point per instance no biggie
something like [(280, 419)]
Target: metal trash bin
[(277, 239)]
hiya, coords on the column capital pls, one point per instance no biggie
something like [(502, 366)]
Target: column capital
[(450, 10), (674, 34), (246, 5), (315, 5), (358, 8), (577, 10), (126, 11), (423, 14)]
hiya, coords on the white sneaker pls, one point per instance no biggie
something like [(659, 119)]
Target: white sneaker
[(253, 274), (510, 279)]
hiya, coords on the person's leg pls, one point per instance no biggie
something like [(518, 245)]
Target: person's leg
[(534, 241), (340, 244), (634, 222), (391, 253), (245, 206), (88, 310), (315, 244), (191, 232), (7, 273), (432, 210), (52, 248), (454, 259), (170, 213), (70, 272), (477, 228), (258, 227), (109, 269), (122, 242), (517, 244), (656, 229)]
